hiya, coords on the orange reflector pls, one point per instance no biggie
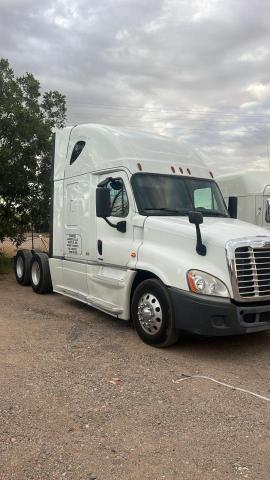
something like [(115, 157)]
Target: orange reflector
[(191, 283), (133, 254)]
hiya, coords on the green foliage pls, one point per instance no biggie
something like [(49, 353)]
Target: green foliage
[(5, 263), (27, 120)]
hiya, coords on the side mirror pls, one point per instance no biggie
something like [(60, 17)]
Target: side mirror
[(195, 217), (103, 202), (267, 210), (232, 206)]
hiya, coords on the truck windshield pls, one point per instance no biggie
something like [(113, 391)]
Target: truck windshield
[(171, 195)]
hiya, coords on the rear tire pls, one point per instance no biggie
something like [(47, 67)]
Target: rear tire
[(40, 273), (152, 314), (22, 267)]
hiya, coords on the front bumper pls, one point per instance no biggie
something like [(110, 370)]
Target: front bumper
[(216, 316)]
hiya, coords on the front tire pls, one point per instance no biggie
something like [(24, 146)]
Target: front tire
[(40, 273), (22, 266), (153, 315)]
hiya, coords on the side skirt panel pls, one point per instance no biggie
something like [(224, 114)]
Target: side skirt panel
[(108, 289)]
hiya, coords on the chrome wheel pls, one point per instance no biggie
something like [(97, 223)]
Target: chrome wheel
[(150, 313), (19, 267), (35, 273)]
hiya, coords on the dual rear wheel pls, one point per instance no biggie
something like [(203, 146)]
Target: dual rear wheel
[(22, 265), (33, 269)]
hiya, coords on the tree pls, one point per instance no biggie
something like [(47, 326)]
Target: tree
[(27, 120)]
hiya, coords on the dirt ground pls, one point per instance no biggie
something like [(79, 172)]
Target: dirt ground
[(83, 398)]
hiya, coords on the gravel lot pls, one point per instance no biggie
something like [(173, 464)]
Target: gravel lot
[(83, 398)]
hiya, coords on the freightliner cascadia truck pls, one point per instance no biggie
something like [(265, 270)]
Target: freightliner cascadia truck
[(140, 230)]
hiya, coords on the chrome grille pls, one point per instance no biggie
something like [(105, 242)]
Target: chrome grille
[(252, 269)]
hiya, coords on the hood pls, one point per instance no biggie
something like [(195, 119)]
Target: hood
[(214, 230)]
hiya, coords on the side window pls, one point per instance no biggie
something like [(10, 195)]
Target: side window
[(119, 198), (77, 150), (203, 198)]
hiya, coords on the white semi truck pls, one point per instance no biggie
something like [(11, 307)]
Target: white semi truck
[(252, 190), (140, 230)]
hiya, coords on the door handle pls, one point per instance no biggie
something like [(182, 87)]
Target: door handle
[(99, 247)]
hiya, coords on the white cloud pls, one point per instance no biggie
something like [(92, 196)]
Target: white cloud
[(259, 90), (122, 34), (258, 55), (249, 105), (234, 132)]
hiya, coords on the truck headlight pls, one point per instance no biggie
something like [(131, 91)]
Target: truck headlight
[(206, 284)]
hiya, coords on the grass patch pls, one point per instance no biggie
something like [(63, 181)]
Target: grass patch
[(5, 263)]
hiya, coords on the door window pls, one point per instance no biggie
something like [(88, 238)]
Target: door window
[(119, 198)]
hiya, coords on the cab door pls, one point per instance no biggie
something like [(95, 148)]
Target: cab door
[(113, 246), (109, 277)]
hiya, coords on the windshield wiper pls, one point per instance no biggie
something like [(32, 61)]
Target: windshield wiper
[(169, 210)]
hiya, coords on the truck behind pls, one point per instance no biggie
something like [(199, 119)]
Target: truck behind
[(252, 190)]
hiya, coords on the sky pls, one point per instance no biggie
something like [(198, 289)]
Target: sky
[(196, 70)]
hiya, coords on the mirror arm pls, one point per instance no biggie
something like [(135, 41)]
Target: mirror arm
[(196, 218), (110, 223), (120, 226), (200, 247)]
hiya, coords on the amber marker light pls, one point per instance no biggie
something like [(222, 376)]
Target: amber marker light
[(133, 254), (191, 282)]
